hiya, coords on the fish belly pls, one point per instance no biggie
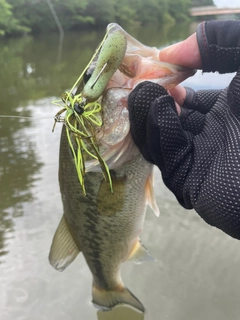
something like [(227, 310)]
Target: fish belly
[(104, 225)]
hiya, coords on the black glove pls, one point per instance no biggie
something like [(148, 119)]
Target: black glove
[(198, 153)]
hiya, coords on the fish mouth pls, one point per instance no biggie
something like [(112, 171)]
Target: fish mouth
[(136, 63), (141, 63)]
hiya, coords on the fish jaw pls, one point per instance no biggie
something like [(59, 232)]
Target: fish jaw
[(114, 139), (142, 63), (139, 63), (136, 68)]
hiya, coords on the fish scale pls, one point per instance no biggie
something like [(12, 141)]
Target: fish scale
[(105, 240)]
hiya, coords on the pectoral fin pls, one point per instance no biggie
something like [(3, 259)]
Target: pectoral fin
[(150, 197), (139, 253), (63, 249)]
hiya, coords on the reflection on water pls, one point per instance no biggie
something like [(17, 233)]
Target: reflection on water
[(120, 313), (196, 275), (18, 161)]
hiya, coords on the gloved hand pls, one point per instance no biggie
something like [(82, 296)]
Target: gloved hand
[(198, 151)]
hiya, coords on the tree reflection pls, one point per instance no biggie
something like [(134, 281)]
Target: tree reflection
[(29, 72)]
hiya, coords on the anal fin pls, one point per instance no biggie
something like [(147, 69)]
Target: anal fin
[(63, 249), (139, 253)]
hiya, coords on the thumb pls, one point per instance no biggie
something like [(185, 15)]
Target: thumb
[(185, 53)]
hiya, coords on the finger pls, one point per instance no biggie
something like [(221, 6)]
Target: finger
[(201, 100), (185, 53), (179, 94), (178, 108), (192, 121)]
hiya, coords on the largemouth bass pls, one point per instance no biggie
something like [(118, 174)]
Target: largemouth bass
[(104, 220)]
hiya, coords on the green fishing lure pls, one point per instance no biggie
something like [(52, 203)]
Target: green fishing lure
[(83, 112)]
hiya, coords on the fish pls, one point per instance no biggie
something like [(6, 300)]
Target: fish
[(104, 220)]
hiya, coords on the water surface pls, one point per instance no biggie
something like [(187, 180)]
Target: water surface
[(196, 275)]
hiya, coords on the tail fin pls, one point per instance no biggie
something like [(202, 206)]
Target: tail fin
[(108, 299)]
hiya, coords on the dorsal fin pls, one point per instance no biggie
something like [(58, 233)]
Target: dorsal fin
[(63, 249)]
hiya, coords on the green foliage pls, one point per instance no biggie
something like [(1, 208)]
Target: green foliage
[(181, 11), (21, 16), (72, 13), (199, 3), (150, 11), (8, 23), (5, 16)]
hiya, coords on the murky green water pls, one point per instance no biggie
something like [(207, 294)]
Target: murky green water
[(196, 275)]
